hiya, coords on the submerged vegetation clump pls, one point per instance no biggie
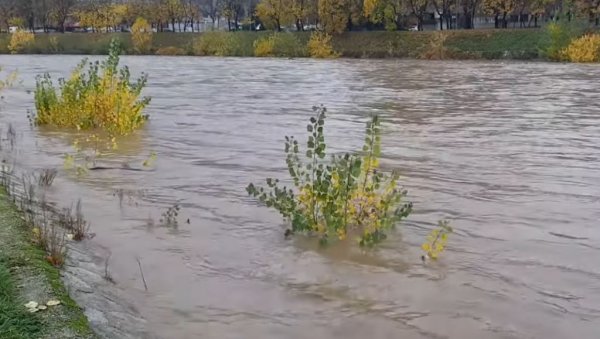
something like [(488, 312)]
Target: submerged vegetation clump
[(103, 98), (341, 195), (345, 194)]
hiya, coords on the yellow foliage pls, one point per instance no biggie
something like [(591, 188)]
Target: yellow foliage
[(54, 44), (436, 240), (320, 46), (333, 15), (583, 49), (103, 98), (20, 40), (436, 49), (369, 7), (141, 36), (264, 47), (9, 81), (274, 13)]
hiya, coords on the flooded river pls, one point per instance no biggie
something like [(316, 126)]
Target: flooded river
[(509, 152)]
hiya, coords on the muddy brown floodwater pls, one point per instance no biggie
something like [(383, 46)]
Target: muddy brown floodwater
[(508, 151)]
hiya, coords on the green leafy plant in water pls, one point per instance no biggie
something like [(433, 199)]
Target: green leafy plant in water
[(437, 239), (332, 198)]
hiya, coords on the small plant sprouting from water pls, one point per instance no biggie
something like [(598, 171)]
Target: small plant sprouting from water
[(436, 241), (46, 177), (74, 222), (347, 194), (149, 162), (50, 236), (169, 217)]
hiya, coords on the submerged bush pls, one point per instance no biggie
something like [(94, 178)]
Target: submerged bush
[(279, 45), (347, 194), (584, 49), (20, 40), (103, 98), (216, 44), (320, 46)]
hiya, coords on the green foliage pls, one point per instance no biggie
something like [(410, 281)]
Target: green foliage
[(216, 44), (103, 98), (279, 45), (437, 239), (558, 36), (170, 51), (347, 194), (15, 321)]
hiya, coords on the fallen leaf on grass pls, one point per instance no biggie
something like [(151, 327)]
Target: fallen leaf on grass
[(31, 304), (53, 302)]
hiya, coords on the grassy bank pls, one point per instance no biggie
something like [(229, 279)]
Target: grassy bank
[(475, 44), (26, 276)]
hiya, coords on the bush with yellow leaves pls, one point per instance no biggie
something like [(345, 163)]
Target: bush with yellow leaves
[(320, 46), (104, 98), (141, 36), (583, 49), (20, 40), (264, 47)]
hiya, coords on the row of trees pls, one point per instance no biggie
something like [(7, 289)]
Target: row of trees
[(103, 15), (334, 16), (338, 15)]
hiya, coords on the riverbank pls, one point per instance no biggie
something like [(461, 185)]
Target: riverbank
[(26, 276), (520, 44)]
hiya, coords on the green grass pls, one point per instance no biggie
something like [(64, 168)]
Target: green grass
[(15, 321), (464, 44), (23, 264)]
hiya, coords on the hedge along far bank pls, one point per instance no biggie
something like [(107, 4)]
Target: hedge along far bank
[(462, 44)]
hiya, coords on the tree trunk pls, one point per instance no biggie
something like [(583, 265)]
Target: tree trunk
[(441, 22), (496, 21), (468, 20)]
